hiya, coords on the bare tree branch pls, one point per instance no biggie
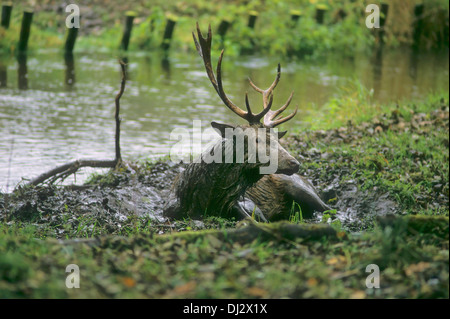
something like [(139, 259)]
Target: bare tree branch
[(118, 119), (63, 171)]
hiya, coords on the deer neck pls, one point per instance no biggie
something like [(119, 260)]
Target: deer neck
[(215, 187)]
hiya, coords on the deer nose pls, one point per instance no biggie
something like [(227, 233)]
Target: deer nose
[(294, 164)]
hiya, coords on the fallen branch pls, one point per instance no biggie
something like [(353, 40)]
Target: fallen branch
[(437, 226), (280, 231), (63, 171)]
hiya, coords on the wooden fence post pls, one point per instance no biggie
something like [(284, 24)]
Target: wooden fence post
[(295, 16), (223, 28), (129, 18), (168, 32), (383, 17), (419, 9), (253, 15), (6, 14), (22, 71), (72, 34), (70, 69), (25, 30), (3, 75), (320, 13)]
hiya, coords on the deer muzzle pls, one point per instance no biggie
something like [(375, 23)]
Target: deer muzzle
[(287, 164), (288, 167)]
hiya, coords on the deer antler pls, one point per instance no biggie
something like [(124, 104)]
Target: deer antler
[(269, 118), (203, 46)]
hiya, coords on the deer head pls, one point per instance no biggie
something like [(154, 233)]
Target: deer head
[(286, 164)]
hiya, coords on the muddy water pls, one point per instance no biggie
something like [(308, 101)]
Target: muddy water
[(53, 109)]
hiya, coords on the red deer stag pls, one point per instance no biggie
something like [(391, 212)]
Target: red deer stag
[(237, 187)]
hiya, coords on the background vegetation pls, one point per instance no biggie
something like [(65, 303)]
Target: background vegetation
[(275, 31)]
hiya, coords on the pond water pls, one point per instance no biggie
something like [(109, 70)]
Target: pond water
[(53, 110)]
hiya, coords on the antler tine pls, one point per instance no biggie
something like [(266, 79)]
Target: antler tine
[(271, 115), (270, 123), (203, 46), (271, 87), (281, 109), (285, 119), (197, 45), (257, 89), (223, 96), (277, 79), (269, 91), (247, 104), (266, 109)]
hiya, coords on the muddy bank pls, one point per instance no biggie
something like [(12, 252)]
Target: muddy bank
[(394, 164), (352, 185), (110, 200)]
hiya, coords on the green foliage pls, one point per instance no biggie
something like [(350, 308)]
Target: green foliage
[(275, 33), (111, 179), (413, 262), (354, 104), (44, 32), (295, 215)]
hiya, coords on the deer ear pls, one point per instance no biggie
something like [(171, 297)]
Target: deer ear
[(220, 127), (281, 134)]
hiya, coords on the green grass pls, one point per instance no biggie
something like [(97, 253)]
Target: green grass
[(43, 33), (353, 103), (412, 265), (295, 215)]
